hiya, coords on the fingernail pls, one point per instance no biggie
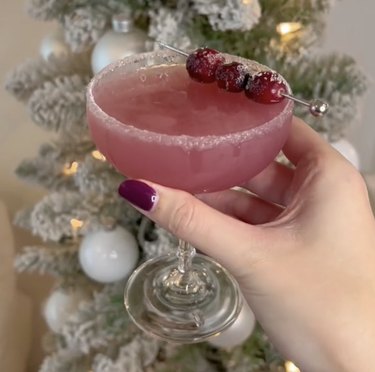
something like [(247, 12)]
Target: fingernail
[(138, 193)]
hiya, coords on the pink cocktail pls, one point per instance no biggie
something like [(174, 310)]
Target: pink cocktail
[(153, 122)]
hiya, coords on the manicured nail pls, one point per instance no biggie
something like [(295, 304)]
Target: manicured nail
[(138, 193)]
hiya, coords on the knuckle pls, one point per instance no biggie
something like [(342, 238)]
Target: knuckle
[(331, 172), (183, 218), (349, 176), (357, 181)]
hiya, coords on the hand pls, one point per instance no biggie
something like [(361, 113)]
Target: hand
[(301, 246)]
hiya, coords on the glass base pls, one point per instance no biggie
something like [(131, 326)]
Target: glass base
[(166, 303)]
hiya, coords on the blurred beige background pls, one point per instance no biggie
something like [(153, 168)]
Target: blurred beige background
[(19, 138), (350, 30)]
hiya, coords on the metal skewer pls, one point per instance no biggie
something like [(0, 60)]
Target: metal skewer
[(316, 107), (170, 47)]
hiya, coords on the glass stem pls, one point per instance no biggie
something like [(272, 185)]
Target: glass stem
[(183, 282), (185, 254)]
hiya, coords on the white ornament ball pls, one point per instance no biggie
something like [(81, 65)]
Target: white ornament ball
[(346, 149), (109, 256), (122, 41), (238, 332), (60, 305), (54, 45)]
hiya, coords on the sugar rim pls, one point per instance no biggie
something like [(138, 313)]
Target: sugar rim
[(185, 141)]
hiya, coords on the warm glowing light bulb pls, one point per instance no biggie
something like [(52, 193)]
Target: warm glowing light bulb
[(76, 224), (285, 28), (98, 155), (291, 367), (70, 168)]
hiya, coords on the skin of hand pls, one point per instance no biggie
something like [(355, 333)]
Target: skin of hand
[(301, 245)]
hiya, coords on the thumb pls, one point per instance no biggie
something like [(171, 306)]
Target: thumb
[(231, 242)]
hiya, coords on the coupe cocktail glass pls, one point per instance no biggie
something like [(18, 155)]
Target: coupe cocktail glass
[(153, 122)]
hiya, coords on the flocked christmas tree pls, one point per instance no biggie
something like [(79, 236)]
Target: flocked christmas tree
[(82, 215)]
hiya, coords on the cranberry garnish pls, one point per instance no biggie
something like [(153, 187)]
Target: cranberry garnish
[(266, 87), (202, 64), (232, 76)]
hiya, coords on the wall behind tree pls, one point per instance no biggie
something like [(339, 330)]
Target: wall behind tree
[(20, 138), (351, 29)]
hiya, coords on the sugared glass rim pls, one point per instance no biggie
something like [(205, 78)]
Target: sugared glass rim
[(182, 140)]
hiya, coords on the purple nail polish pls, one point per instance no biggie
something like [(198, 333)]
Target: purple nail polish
[(138, 193)]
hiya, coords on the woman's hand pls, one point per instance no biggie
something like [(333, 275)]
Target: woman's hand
[(301, 245)]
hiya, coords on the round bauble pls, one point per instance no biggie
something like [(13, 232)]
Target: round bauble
[(238, 332), (123, 40), (346, 149), (54, 45), (108, 256), (60, 305)]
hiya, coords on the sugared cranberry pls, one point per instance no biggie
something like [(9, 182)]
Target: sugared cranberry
[(202, 64), (232, 76), (266, 87)]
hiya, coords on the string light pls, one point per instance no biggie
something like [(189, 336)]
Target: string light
[(70, 168), (98, 155), (76, 225), (291, 367), (285, 28)]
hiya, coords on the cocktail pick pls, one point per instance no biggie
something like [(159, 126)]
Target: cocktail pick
[(316, 107), (170, 47)]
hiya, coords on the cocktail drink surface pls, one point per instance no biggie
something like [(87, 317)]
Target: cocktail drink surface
[(152, 121)]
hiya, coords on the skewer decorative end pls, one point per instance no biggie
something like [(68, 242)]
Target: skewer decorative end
[(318, 107)]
